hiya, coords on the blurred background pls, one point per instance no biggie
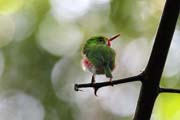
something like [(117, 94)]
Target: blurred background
[(40, 54)]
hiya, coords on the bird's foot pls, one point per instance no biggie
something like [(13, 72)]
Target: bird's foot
[(93, 79), (110, 80), (93, 84)]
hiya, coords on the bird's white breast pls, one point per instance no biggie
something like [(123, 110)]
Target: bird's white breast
[(87, 65)]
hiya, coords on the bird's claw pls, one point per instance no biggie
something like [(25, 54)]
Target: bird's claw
[(110, 80)]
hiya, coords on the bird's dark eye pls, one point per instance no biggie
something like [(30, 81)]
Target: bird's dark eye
[(101, 39)]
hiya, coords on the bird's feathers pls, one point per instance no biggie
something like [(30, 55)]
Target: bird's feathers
[(103, 58)]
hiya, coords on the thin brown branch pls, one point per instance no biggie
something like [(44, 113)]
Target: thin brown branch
[(169, 90), (96, 86)]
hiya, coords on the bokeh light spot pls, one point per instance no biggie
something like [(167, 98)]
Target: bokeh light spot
[(59, 39), (135, 55), (25, 22), (7, 29), (16, 105), (120, 100), (173, 64), (69, 9), (63, 78)]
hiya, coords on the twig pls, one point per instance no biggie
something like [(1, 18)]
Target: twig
[(96, 86), (169, 90)]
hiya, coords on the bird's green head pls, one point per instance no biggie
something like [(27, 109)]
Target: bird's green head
[(98, 40), (93, 41)]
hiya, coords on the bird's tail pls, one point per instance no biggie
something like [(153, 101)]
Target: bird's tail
[(107, 71)]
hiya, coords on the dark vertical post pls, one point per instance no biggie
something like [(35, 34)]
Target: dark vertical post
[(154, 69)]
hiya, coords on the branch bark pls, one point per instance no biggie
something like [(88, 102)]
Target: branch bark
[(169, 90), (96, 86), (150, 86)]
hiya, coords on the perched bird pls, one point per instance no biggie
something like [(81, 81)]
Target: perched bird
[(99, 57)]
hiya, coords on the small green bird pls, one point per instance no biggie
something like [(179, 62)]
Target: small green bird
[(99, 57)]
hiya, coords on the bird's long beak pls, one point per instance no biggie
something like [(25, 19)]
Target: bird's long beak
[(111, 39)]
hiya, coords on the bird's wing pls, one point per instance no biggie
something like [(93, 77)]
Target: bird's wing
[(101, 55)]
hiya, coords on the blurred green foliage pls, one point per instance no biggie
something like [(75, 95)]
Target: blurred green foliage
[(135, 19), (28, 66)]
